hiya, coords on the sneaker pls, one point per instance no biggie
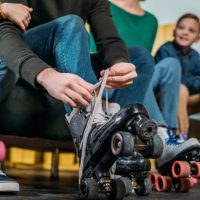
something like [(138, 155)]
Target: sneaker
[(183, 136), (173, 148), (8, 184)]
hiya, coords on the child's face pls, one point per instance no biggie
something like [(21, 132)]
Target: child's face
[(187, 32)]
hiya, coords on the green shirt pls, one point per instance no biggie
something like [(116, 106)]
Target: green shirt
[(133, 29)]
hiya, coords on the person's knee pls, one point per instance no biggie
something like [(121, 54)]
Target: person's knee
[(141, 57), (71, 22), (171, 66)]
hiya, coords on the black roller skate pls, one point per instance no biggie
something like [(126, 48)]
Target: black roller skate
[(178, 165), (107, 141), (99, 141)]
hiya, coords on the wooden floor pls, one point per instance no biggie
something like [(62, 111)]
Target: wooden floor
[(36, 185)]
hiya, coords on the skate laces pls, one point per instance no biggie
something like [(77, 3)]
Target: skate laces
[(172, 138), (101, 117), (93, 118)]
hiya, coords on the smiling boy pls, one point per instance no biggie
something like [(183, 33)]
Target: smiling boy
[(185, 34)]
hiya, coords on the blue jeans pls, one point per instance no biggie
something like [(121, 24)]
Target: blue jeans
[(162, 96), (135, 92), (64, 44)]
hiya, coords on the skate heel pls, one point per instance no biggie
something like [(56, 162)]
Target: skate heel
[(99, 181), (136, 168)]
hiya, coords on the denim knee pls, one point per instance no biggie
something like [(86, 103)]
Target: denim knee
[(139, 56), (70, 22), (3, 70), (171, 67)]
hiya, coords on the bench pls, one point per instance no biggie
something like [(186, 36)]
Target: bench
[(31, 119)]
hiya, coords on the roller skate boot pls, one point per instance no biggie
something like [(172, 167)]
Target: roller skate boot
[(177, 166), (108, 140), (99, 141)]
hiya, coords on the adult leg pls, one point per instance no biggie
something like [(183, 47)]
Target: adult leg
[(66, 47), (135, 92), (170, 80), (166, 76)]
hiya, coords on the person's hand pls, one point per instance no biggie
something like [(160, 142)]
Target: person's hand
[(17, 13), (67, 87), (120, 75)]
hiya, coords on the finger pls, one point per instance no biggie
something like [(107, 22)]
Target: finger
[(121, 70), (80, 101), (84, 93), (89, 87), (102, 72), (28, 17), (65, 99), (30, 9), (124, 78), (118, 86), (22, 26), (25, 22)]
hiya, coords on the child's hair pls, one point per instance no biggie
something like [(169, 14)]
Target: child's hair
[(191, 16)]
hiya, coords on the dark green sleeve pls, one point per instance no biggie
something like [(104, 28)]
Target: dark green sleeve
[(109, 44), (16, 54)]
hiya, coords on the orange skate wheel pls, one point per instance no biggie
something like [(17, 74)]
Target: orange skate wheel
[(195, 169), (194, 182), (2, 151), (153, 178), (183, 184), (180, 169), (163, 184)]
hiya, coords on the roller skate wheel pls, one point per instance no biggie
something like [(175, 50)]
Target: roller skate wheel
[(144, 187), (163, 184), (116, 144), (157, 146), (153, 178), (195, 169), (194, 182), (180, 169), (88, 189), (122, 144), (121, 187), (2, 151), (183, 184), (147, 129)]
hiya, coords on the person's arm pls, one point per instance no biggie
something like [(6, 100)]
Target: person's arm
[(110, 46), (16, 54), (66, 87)]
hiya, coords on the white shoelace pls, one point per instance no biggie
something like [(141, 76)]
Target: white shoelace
[(86, 133)]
